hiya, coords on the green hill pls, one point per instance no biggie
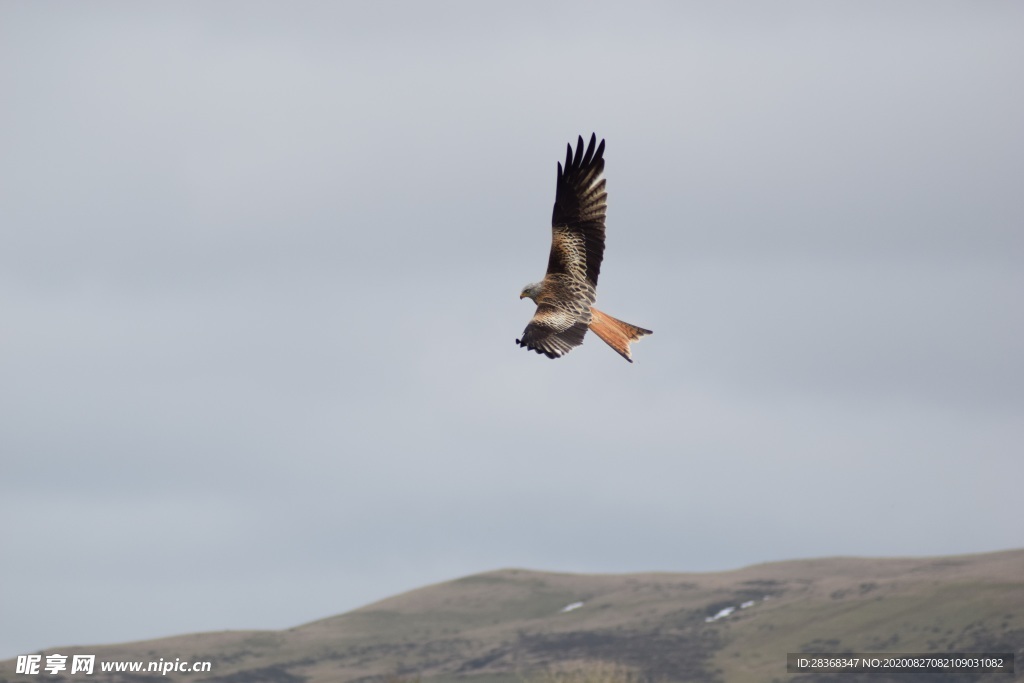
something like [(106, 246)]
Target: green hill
[(509, 625)]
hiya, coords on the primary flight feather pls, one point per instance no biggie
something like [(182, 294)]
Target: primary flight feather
[(565, 297)]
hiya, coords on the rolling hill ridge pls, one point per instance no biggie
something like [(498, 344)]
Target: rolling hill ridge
[(735, 626)]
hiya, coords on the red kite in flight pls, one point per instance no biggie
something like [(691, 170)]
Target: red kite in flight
[(565, 297)]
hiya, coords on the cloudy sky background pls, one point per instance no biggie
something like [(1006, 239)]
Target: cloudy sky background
[(259, 267)]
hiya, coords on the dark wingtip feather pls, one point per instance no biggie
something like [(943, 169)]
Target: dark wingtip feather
[(538, 350), (583, 156), (589, 156)]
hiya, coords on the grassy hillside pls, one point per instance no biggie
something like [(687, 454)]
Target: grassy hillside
[(513, 624)]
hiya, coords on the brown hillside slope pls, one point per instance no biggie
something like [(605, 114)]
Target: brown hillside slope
[(502, 625)]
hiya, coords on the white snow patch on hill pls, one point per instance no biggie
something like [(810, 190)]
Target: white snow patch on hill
[(721, 613)]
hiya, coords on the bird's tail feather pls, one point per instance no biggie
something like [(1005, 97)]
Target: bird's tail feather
[(615, 333)]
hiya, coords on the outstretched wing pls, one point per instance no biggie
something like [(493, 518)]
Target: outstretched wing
[(577, 222), (553, 331), (577, 247)]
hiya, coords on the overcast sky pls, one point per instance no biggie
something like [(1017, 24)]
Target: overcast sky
[(259, 277)]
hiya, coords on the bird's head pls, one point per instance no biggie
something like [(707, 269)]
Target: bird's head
[(530, 292)]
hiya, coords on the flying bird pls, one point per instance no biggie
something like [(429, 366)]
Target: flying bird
[(565, 297)]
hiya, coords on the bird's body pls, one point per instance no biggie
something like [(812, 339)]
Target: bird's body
[(566, 295)]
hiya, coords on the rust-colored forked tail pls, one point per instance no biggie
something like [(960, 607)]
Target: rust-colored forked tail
[(615, 333)]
